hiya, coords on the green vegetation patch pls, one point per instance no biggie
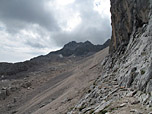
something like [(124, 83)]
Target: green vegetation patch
[(142, 71)]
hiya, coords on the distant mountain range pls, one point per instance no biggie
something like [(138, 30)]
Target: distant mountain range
[(70, 50)]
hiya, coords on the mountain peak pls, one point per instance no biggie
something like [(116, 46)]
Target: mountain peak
[(88, 42), (71, 45), (80, 48)]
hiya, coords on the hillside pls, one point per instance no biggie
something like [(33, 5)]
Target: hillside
[(81, 49), (52, 80)]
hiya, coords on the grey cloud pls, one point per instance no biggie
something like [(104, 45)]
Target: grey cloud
[(19, 13), (93, 27), (35, 44), (22, 14)]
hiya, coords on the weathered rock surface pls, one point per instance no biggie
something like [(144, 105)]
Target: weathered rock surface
[(125, 84), (128, 16)]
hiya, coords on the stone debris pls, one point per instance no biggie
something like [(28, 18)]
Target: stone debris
[(102, 106), (135, 102), (122, 105), (26, 84)]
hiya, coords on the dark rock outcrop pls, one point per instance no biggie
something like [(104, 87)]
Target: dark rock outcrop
[(81, 49)]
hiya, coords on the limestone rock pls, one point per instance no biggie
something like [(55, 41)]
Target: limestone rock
[(102, 106), (129, 63), (127, 16)]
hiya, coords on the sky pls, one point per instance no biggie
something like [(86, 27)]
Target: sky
[(29, 28)]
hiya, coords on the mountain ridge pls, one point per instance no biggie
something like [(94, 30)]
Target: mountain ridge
[(81, 50)]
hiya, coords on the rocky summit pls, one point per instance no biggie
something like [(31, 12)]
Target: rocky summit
[(81, 49)]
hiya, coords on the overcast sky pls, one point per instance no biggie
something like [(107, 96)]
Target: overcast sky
[(29, 28)]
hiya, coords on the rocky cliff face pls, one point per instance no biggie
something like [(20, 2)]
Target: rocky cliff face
[(126, 80), (128, 16), (131, 42)]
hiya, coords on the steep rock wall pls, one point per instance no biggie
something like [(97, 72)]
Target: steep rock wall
[(131, 43), (127, 17)]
